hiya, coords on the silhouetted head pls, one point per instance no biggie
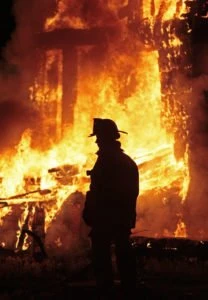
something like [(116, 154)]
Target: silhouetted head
[(105, 130)]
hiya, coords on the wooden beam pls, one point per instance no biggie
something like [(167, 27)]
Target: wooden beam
[(60, 38), (70, 66)]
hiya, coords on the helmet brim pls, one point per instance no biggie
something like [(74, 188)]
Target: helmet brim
[(94, 134)]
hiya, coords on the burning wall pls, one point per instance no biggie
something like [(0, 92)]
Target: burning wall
[(77, 60)]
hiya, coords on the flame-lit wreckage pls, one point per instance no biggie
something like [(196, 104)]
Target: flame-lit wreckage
[(141, 63)]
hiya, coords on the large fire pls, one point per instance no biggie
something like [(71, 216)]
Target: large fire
[(119, 78)]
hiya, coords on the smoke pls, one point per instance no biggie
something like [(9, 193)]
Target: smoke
[(67, 235), (15, 118), (18, 67)]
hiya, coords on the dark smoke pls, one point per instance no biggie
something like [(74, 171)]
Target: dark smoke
[(15, 118), (17, 69)]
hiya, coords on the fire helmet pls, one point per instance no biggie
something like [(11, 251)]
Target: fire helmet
[(105, 128)]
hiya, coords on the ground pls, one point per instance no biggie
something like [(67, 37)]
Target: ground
[(22, 276)]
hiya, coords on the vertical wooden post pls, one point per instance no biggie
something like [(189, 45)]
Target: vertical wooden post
[(70, 67), (38, 229)]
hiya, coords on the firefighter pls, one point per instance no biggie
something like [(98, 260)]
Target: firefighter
[(110, 210)]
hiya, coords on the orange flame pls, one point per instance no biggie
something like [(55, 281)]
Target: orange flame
[(181, 230), (125, 88)]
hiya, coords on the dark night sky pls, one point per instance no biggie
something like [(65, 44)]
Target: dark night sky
[(7, 22)]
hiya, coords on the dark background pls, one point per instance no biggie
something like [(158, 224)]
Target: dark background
[(7, 23)]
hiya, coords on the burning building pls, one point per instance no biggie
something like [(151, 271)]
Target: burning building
[(141, 63)]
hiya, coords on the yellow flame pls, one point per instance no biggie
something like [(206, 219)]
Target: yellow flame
[(181, 230), (126, 89)]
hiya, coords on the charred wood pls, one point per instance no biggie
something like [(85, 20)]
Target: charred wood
[(38, 231), (38, 255), (41, 192), (70, 78), (60, 38), (24, 228), (64, 174)]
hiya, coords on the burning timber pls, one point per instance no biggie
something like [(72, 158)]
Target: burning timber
[(35, 220), (31, 231), (20, 197), (181, 43), (176, 42), (75, 38)]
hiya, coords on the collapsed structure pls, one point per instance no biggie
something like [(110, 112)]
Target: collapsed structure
[(142, 63)]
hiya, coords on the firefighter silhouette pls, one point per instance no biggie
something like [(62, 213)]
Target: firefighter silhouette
[(110, 210)]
